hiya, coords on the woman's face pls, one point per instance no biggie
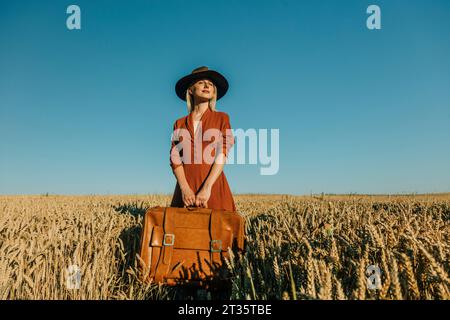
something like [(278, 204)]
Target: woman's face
[(203, 90)]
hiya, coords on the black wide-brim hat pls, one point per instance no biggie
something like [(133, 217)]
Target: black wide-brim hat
[(202, 73)]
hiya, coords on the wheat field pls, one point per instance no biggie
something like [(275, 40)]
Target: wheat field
[(298, 247)]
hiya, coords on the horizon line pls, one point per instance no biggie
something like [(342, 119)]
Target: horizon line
[(234, 194)]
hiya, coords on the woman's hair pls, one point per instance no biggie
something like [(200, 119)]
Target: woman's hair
[(190, 98)]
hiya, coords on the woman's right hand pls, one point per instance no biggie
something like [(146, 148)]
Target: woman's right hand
[(188, 196)]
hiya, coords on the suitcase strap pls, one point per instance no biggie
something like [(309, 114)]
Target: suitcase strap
[(168, 242), (215, 229)]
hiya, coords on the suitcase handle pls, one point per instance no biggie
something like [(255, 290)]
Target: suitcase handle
[(190, 208)]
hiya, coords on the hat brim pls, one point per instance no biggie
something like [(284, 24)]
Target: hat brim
[(219, 80)]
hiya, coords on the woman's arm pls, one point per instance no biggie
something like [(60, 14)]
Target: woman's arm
[(203, 196), (226, 143), (176, 163), (186, 191)]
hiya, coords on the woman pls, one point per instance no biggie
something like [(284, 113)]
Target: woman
[(200, 178), (201, 182)]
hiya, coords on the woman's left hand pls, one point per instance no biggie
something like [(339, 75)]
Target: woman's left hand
[(201, 199)]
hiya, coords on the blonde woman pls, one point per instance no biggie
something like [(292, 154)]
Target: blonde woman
[(201, 181), (197, 167)]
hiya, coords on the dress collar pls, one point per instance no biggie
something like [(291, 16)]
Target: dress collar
[(190, 120)]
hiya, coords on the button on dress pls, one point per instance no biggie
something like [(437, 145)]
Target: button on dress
[(198, 167)]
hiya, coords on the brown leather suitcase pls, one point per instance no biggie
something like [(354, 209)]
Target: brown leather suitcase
[(188, 245)]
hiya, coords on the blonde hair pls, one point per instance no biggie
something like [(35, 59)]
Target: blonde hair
[(190, 98)]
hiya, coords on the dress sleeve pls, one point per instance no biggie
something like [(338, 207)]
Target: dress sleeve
[(175, 158), (227, 136)]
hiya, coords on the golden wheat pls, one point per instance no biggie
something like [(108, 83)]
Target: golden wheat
[(298, 247)]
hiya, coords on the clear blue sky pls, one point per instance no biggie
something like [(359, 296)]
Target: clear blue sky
[(91, 110)]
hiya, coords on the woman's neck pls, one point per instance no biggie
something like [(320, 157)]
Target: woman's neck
[(201, 107)]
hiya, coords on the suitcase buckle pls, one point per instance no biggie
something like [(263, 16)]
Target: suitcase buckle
[(165, 242), (212, 245)]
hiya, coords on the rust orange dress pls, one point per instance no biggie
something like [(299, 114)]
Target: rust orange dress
[(197, 168)]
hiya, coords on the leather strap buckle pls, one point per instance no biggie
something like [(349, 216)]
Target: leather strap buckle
[(165, 242), (212, 245)]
